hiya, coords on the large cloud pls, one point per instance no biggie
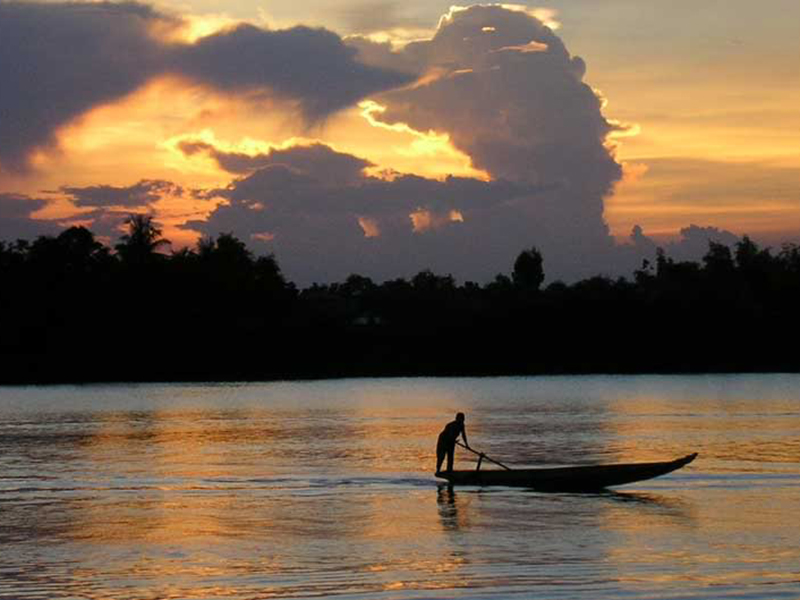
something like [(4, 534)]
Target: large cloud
[(323, 228), (312, 66), (496, 80), (58, 60), (509, 94)]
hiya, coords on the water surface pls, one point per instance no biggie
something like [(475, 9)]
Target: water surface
[(300, 490)]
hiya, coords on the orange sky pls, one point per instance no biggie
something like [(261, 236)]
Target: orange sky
[(710, 109)]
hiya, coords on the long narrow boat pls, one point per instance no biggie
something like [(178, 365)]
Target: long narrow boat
[(568, 479)]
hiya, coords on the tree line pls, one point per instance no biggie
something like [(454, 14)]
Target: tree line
[(73, 309)]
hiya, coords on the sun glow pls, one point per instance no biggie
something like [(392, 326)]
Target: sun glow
[(196, 27), (546, 15), (426, 220), (369, 226), (201, 161), (424, 145)]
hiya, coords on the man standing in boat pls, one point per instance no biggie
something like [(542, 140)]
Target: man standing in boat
[(446, 445)]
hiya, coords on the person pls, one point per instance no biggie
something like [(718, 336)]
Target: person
[(446, 444)]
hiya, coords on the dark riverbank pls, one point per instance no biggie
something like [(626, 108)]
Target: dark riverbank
[(73, 311), (385, 353)]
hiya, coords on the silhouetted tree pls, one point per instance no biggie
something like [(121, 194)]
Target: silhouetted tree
[(237, 317), (718, 260), (357, 286), (226, 252), (139, 245), (269, 276), (528, 273), (789, 258), (428, 282)]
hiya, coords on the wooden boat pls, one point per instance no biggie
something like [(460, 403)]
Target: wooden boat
[(590, 478)]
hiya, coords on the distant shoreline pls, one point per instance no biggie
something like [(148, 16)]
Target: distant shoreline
[(56, 377), (71, 310)]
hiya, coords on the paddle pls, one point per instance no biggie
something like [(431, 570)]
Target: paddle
[(482, 455)]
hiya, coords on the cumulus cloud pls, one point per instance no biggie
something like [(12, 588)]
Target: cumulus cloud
[(498, 82), (506, 90), (58, 60)]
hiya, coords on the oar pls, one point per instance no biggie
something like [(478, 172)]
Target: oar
[(482, 455)]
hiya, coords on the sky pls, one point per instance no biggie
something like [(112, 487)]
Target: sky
[(383, 138)]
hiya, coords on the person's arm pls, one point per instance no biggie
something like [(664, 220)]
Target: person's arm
[(464, 436)]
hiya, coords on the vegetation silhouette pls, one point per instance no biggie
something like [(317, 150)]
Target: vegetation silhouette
[(528, 270), (139, 246), (71, 309)]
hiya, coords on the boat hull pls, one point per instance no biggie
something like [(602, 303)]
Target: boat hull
[(568, 479)]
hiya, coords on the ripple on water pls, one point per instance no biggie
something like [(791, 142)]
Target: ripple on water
[(325, 490)]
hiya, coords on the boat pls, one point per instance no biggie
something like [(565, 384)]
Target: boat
[(589, 478)]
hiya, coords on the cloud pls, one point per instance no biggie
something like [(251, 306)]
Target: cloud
[(504, 88), (323, 228), (512, 98), (495, 82), (15, 217), (692, 245), (58, 60), (318, 160), (312, 66), (693, 242), (138, 195)]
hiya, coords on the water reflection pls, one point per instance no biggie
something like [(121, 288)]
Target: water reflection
[(448, 510), (288, 490)]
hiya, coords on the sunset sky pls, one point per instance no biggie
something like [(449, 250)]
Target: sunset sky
[(386, 137)]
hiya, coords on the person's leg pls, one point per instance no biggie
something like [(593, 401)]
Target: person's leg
[(440, 454), (450, 454)]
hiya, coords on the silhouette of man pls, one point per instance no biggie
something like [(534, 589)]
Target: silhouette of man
[(446, 445)]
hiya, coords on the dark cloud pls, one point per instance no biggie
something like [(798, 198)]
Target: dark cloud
[(58, 60), (312, 66), (518, 114), (140, 194), (318, 160), (323, 228), (508, 93), (15, 206), (15, 217)]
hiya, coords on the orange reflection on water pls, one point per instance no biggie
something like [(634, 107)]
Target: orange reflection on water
[(325, 488)]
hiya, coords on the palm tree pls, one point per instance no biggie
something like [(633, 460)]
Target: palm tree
[(143, 239)]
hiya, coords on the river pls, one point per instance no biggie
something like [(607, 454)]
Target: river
[(325, 489)]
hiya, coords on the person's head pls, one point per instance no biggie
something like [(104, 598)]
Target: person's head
[(460, 417)]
